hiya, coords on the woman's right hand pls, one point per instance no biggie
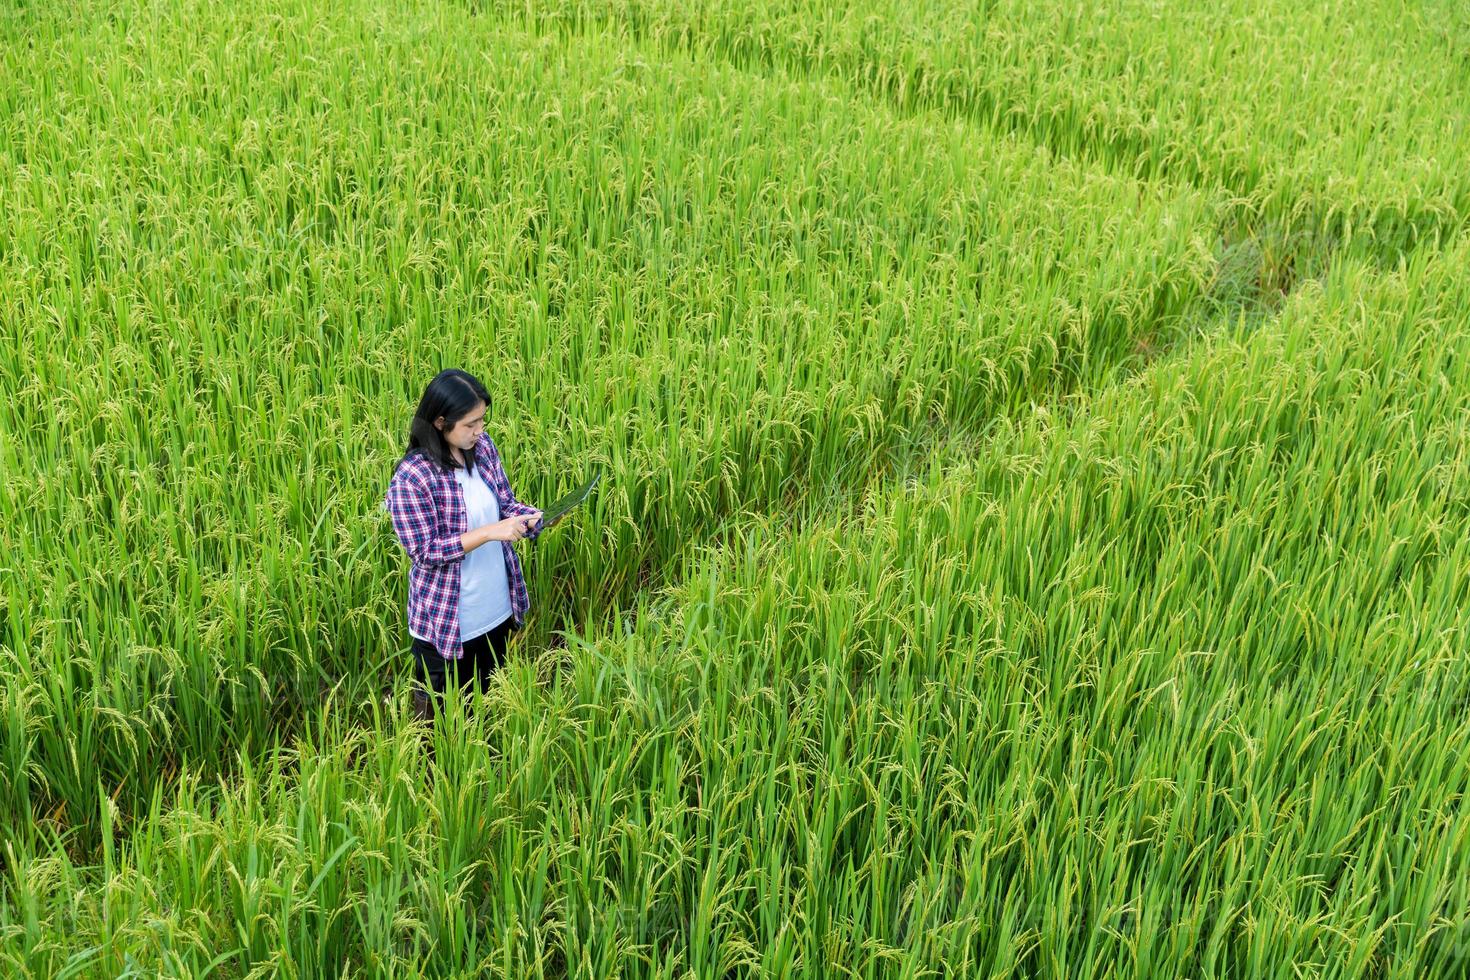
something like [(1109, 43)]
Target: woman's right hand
[(511, 528)]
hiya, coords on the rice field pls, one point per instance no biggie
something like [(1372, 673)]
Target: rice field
[(1032, 541)]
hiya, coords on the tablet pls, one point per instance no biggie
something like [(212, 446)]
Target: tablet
[(563, 506)]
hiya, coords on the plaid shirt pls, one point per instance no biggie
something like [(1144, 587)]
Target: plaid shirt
[(428, 513)]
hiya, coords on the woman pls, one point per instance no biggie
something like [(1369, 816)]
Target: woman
[(454, 513)]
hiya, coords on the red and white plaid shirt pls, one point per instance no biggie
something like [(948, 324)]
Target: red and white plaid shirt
[(428, 513)]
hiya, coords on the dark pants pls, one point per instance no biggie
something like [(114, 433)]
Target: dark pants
[(483, 655)]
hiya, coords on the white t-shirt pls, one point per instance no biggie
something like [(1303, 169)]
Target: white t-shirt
[(484, 587)]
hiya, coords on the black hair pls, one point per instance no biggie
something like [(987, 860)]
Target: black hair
[(453, 394)]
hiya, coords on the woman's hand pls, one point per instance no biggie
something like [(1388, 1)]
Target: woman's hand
[(512, 528)]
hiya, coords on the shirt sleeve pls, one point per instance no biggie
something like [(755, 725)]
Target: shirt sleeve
[(414, 521), (510, 507)]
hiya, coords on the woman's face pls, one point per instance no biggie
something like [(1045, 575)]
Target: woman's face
[(466, 431)]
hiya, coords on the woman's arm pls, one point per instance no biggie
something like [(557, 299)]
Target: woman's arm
[(411, 507), (509, 505)]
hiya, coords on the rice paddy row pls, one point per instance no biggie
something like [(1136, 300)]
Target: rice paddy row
[(1331, 122)]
